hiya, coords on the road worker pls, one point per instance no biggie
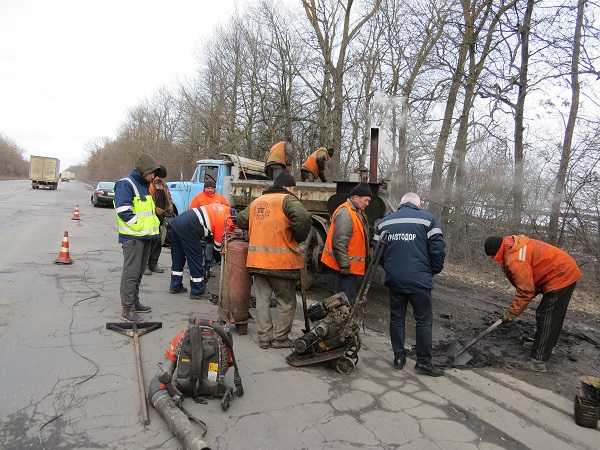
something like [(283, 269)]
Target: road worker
[(138, 227), (314, 166), (277, 223), (188, 233), (208, 195), (278, 159), (414, 253), (347, 245), (535, 267), (164, 208)]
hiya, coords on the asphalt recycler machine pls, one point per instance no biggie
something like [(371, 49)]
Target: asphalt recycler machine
[(332, 326)]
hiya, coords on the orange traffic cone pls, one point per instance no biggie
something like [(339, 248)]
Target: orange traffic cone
[(76, 214), (63, 256)]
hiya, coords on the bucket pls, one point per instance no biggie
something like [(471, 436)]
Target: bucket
[(586, 412), (590, 388)]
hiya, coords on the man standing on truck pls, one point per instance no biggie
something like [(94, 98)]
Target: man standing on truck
[(164, 208), (188, 233), (414, 253), (314, 166), (535, 267), (208, 195), (138, 227), (277, 223), (347, 244), (278, 160)]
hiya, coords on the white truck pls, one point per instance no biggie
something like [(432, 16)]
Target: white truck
[(44, 172)]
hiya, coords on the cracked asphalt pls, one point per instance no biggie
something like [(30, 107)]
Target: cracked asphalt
[(68, 383)]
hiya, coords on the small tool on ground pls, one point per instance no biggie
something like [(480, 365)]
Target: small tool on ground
[(135, 330), (458, 356)]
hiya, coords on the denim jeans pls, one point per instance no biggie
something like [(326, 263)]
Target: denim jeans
[(348, 284), (420, 300)]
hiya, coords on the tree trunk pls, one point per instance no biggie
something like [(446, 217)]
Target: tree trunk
[(518, 180), (559, 187)]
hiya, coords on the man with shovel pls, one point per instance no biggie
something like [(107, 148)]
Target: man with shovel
[(414, 252), (535, 267)]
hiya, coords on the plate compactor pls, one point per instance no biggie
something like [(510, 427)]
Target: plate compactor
[(334, 335)]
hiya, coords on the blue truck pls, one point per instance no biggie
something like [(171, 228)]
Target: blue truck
[(241, 180)]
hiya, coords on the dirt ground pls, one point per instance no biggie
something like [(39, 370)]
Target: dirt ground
[(465, 303)]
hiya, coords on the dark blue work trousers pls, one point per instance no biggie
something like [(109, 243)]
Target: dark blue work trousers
[(348, 284), (192, 251), (420, 300)]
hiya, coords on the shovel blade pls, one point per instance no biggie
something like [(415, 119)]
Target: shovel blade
[(456, 358)]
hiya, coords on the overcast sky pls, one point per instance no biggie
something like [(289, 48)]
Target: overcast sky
[(71, 69)]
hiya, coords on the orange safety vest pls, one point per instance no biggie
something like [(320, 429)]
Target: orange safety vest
[(277, 154), (357, 247), (218, 216), (271, 243), (311, 165), (202, 198)]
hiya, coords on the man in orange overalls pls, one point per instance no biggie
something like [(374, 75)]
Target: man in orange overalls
[(535, 267)]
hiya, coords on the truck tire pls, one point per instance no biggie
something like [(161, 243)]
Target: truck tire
[(34, 186)]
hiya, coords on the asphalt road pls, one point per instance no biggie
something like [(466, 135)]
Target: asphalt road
[(68, 383)]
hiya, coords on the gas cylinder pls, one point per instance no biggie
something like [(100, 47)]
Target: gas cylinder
[(234, 302)]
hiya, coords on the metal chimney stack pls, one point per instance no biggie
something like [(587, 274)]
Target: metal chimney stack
[(374, 155)]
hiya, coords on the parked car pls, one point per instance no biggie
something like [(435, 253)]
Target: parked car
[(103, 194)]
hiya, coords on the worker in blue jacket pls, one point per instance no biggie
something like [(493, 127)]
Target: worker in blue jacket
[(138, 227), (414, 253)]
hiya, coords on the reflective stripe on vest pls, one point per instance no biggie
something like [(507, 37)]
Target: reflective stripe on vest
[(217, 215), (144, 223), (272, 245), (357, 247)]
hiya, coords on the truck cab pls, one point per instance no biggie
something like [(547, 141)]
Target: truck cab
[(224, 171)]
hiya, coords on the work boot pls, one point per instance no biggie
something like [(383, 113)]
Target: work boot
[(147, 271), (130, 315), (399, 362), (282, 343), (178, 290), (139, 308), (429, 370), (157, 269), (535, 365)]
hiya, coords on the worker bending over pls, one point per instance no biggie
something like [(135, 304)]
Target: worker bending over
[(314, 166), (277, 223), (535, 267), (347, 244), (189, 233)]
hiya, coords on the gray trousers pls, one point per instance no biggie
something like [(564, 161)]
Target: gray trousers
[(135, 260), (268, 328)]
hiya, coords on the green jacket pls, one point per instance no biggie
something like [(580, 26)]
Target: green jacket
[(300, 223)]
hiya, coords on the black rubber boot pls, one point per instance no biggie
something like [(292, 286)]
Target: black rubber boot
[(399, 362), (130, 315), (178, 290), (429, 370)]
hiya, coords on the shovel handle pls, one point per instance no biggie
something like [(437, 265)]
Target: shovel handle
[(303, 293), (485, 332), (140, 375)]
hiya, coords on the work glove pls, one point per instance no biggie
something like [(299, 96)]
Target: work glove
[(509, 316), (345, 271)]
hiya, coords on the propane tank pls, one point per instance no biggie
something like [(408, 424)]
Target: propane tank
[(235, 284)]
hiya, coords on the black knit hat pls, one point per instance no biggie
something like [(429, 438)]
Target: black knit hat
[(284, 179), (209, 182), (492, 245), (161, 172), (361, 190)]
